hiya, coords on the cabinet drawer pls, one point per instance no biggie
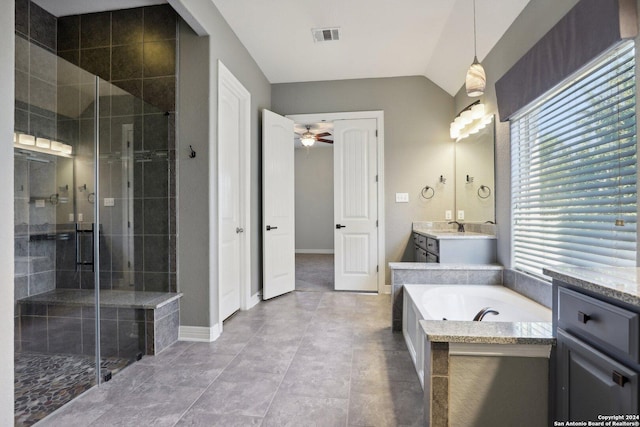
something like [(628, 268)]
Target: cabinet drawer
[(599, 321), (591, 383), (420, 240), (432, 246), (421, 254), (431, 257)]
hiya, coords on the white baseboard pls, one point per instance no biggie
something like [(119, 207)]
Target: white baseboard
[(255, 299), (315, 251), (199, 333)]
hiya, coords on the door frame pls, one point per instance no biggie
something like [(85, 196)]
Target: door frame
[(379, 117), (226, 78)]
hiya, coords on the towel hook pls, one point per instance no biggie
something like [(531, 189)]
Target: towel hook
[(192, 154)]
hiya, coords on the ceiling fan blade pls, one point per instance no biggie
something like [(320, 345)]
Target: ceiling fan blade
[(323, 134), (328, 141)]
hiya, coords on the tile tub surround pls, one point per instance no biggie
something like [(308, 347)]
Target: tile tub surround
[(305, 358), (131, 322), (445, 360), (528, 285), (417, 273)]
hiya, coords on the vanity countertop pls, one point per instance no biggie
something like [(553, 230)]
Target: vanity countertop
[(452, 331), (453, 234), (619, 283)]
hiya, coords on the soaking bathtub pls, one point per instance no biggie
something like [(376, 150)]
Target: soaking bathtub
[(461, 303)]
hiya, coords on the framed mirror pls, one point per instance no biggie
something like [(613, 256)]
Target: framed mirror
[(475, 177)]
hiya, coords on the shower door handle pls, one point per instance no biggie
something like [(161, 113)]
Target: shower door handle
[(79, 260)]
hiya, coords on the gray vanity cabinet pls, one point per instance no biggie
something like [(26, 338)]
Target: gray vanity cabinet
[(592, 383), (597, 359), (420, 245)]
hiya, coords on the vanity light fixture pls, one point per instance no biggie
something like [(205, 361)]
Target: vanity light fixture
[(476, 80), (469, 121), (41, 145)]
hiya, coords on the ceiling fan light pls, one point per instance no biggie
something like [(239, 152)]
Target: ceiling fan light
[(307, 139), (476, 80)]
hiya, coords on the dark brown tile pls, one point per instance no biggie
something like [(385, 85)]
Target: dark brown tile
[(160, 58), (156, 218), (159, 23), (126, 62), (22, 17), (69, 33), (156, 179), (127, 26), (156, 254), (156, 132), (95, 30), (96, 61), (43, 27), (159, 93), (72, 56), (130, 102)]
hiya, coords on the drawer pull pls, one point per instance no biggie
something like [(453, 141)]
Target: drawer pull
[(583, 317), (619, 379)]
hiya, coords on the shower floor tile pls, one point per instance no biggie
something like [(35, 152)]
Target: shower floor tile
[(45, 382)]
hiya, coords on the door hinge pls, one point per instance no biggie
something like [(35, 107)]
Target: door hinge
[(376, 178), (128, 144), (128, 224), (377, 268), (376, 133), (376, 222)]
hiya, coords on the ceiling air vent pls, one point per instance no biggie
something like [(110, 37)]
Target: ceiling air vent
[(325, 34)]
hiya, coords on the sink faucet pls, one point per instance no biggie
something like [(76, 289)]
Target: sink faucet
[(484, 312), (460, 226)]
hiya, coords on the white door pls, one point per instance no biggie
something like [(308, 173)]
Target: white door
[(355, 205), (278, 208), (232, 98)]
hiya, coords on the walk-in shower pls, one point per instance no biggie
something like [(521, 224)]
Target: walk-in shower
[(95, 275)]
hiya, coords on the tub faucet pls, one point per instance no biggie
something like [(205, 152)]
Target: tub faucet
[(484, 312), (460, 226)]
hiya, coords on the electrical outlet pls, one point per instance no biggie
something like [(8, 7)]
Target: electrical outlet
[(460, 215), (402, 197), (108, 201), (71, 217), (447, 215), (40, 203), (80, 217)]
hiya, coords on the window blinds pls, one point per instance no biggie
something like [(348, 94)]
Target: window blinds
[(574, 166)]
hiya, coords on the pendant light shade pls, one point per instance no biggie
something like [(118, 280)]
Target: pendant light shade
[(476, 80)]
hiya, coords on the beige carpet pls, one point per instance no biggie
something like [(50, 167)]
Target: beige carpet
[(314, 273)]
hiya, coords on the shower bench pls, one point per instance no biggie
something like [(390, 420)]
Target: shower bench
[(132, 323)]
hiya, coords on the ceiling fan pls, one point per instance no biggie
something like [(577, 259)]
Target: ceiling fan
[(308, 138)]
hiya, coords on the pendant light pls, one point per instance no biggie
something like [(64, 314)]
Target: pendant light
[(476, 80)]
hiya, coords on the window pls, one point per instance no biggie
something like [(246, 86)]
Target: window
[(574, 168)]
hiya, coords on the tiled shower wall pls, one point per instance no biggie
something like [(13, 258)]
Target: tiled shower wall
[(134, 49), (35, 106)]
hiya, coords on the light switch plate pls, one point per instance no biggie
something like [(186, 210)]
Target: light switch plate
[(402, 197), (40, 203), (447, 215), (460, 215), (80, 217), (108, 201), (71, 219)]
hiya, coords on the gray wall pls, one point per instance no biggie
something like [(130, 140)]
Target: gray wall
[(314, 198), (533, 23), (418, 149), (7, 96), (199, 306)]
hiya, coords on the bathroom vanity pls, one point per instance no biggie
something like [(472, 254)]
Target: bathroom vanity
[(596, 315), (451, 246)]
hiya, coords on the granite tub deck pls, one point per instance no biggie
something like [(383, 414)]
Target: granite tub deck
[(60, 321), (419, 273), (466, 384)]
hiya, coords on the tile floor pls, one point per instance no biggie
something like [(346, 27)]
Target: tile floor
[(303, 359), (315, 272)]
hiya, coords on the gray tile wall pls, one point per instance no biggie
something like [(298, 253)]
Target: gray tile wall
[(135, 50), (530, 286)]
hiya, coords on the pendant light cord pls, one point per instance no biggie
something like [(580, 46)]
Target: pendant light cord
[(475, 42)]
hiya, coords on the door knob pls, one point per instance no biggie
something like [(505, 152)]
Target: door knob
[(271, 228), (239, 230), (339, 226)]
